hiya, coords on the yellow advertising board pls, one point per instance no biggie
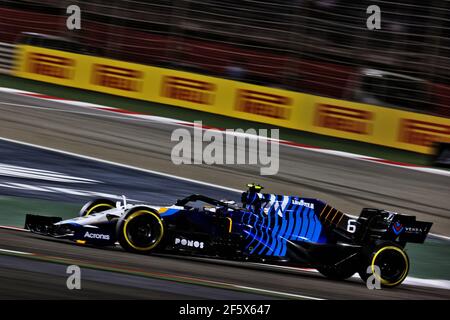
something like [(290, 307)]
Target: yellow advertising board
[(49, 66), (379, 125), (338, 118)]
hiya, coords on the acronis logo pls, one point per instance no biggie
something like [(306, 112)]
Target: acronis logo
[(397, 228), (100, 236)]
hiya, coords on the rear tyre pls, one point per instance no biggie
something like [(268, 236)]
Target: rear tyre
[(96, 205), (140, 230), (392, 261)]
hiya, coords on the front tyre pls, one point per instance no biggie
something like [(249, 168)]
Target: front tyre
[(140, 230), (96, 205), (392, 262)]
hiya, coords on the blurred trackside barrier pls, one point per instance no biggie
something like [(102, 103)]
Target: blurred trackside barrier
[(338, 118)]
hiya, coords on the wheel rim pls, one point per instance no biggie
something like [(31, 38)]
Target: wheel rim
[(393, 264), (143, 230)]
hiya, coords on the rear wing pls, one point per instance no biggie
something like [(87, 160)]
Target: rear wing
[(387, 225), (415, 231)]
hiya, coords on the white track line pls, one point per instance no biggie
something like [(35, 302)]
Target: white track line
[(16, 252), (280, 293), (14, 228), (413, 281), (429, 283), (439, 236), (104, 114)]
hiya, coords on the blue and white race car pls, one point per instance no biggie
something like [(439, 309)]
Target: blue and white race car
[(268, 228)]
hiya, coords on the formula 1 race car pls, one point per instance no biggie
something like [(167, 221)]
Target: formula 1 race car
[(268, 228)]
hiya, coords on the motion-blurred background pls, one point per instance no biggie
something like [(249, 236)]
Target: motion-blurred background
[(321, 47)]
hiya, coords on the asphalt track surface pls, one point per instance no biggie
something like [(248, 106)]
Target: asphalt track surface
[(165, 277), (345, 183)]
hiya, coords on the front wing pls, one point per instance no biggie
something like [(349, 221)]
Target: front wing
[(97, 235)]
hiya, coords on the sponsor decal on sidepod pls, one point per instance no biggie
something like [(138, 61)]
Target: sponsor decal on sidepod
[(100, 236), (189, 243)]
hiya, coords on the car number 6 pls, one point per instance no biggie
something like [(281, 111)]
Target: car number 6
[(351, 227)]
